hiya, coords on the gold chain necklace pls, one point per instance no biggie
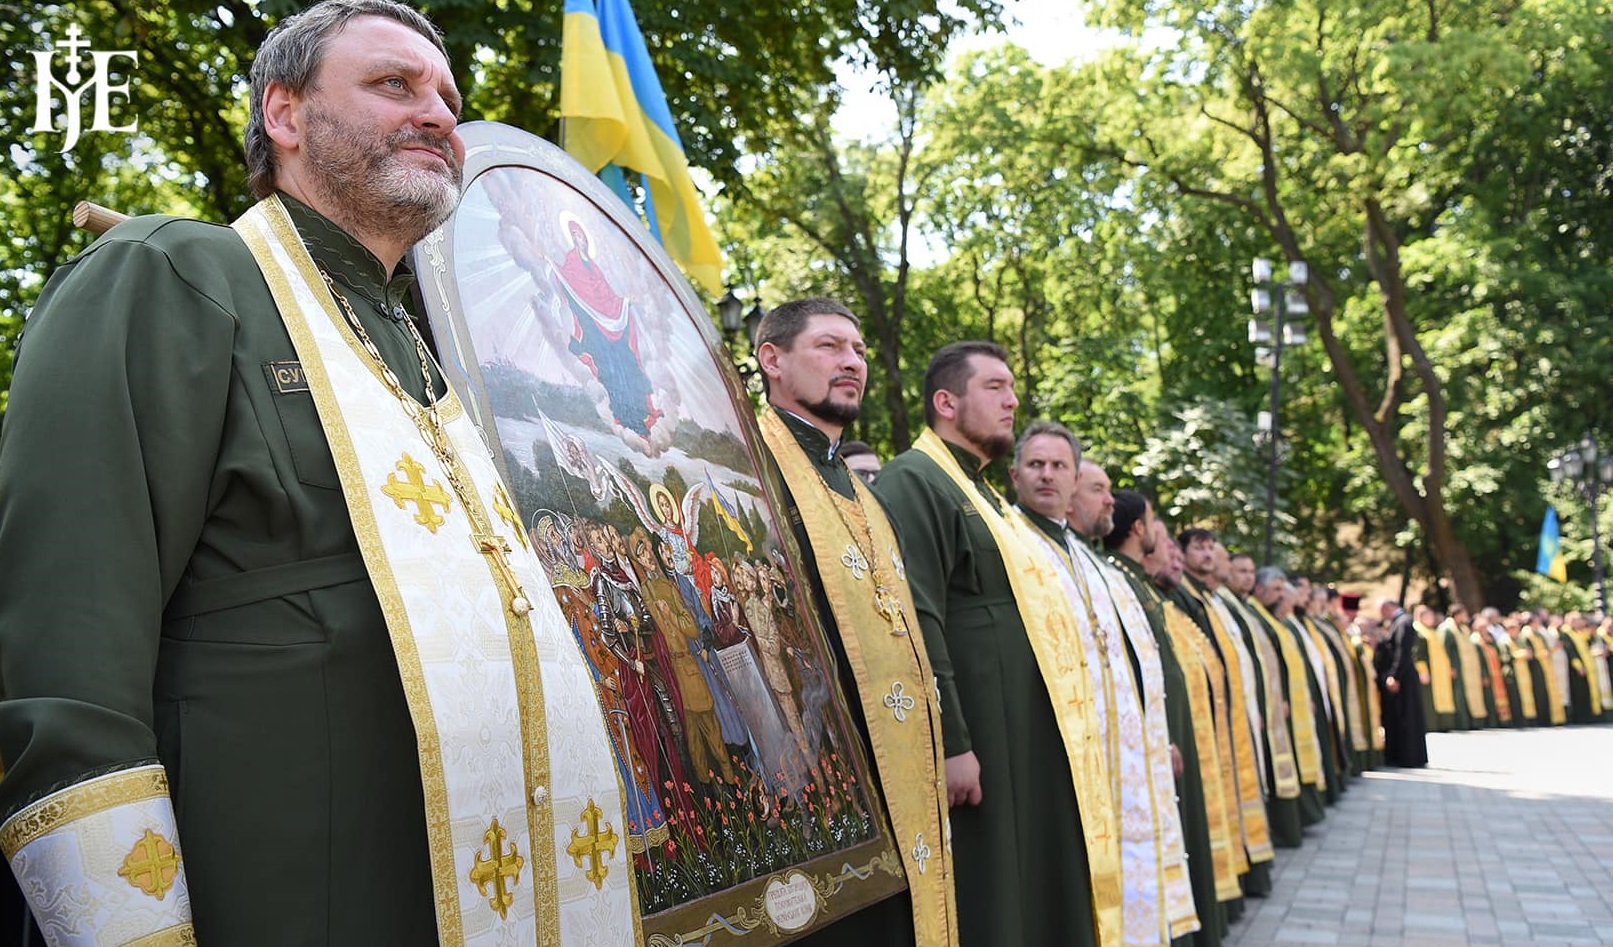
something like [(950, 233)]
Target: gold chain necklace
[(886, 599), (428, 419)]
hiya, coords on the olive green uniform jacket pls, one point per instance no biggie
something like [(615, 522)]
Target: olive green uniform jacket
[(160, 444), (1020, 856)]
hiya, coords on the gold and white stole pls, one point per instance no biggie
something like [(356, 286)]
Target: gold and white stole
[(1220, 796), (1252, 807), (1335, 682), (1045, 610), (1268, 665), (1247, 673), (1126, 742), (865, 583), (523, 798), (1604, 669), (1318, 666), (1181, 916), (1365, 652), (1302, 712), (1354, 700)]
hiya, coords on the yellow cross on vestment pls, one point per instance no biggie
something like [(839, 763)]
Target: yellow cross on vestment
[(414, 489), (151, 865), (502, 867), (593, 844)]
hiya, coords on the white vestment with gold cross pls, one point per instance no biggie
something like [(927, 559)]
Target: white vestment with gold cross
[(523, 802)]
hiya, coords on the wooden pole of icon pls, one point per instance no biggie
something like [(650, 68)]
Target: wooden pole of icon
[(95, 218)]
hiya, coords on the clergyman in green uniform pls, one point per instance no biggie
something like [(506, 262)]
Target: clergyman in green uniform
[(1019, 842), (1129, 542), (815, 367), (206, 734)]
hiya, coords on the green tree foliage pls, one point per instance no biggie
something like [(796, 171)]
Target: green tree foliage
[(1205, 470), (732, 73), (1442, 167), (1443, 170)]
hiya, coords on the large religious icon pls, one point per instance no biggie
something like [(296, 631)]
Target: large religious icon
[(632, 454)]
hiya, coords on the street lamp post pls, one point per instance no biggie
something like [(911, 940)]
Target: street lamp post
[(738, 324), (1588, 470), (1280, 299)]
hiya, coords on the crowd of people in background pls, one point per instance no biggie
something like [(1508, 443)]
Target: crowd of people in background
[(1086, 726), (1526, 669), (1277, 691)]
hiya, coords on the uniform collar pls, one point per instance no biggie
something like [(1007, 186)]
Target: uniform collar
[(812, 439), (349, 262)]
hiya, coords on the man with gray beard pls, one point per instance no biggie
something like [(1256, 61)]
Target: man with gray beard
[(227, 717)]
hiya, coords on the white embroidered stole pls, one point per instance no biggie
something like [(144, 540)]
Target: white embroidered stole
[(523, 799)]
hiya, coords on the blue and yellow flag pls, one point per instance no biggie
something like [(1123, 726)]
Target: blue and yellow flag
[(727, 514), (1551, 561), (614, 115)]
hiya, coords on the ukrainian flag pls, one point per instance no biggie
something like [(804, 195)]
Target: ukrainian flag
[(1551, 561), (727, 514), (614, 115)]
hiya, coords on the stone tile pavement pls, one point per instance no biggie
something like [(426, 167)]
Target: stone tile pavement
[(1506, 838)]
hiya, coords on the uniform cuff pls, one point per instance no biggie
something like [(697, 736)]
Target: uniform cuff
[(954, 731), (99, 863)]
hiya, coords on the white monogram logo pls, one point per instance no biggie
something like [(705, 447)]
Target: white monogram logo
[(72, 90)]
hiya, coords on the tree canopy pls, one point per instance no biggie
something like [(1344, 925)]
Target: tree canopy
[(1442, 167)]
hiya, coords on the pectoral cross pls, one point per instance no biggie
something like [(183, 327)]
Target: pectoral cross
[(497, 549), (414, 489), (502, 867), (593, 844), (889, 604)]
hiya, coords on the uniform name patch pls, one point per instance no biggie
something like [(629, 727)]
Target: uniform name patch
[(285, 377)]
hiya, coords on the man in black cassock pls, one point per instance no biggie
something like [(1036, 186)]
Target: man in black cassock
[(1405, 741)]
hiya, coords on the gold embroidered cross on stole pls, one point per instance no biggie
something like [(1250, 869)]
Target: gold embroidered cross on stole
[(414, 489), (593, 844), (502, 867), (151, 865)]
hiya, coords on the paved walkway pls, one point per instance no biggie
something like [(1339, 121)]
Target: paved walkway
[(1506, 838)]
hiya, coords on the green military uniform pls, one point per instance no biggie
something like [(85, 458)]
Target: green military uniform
[(1189, 785), (1021, 855), (1453, 653), (161, 459)]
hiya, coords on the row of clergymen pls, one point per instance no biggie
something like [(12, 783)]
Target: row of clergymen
[(1128, 722), (1522, 670)]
